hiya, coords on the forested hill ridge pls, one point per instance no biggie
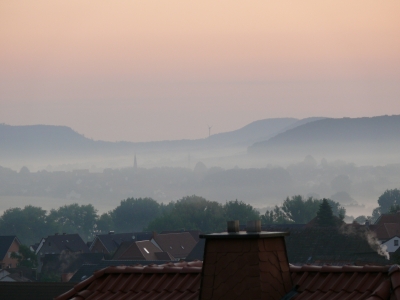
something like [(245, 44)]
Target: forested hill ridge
[(350, 137), (45, 141)]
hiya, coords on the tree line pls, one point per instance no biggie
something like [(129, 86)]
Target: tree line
[(31, 223)]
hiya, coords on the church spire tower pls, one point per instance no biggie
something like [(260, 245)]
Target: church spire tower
[(135, 163)]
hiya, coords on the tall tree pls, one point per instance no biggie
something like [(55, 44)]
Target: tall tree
[(28, 224), (75, 218), (300, 210), (134, 214), (275, 216), (104, 223), (194, 213), (238, 210), (325, 216), (388, 199)]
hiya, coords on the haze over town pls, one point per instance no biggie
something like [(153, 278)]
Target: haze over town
[(198, 89), (199, 149)]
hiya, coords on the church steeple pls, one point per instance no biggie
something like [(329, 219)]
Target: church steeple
[(135, 163)]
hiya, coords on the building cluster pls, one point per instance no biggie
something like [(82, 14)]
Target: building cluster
[(273, 262)]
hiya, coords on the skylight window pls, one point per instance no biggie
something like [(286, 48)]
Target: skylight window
[(147, 251)]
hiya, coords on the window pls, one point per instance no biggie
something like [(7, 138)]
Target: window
[(396, 242), (147, 251)]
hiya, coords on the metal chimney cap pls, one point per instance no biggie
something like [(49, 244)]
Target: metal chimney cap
[(253, 226), (233, 226)]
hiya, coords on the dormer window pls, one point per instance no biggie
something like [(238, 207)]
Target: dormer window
[(396, 242)]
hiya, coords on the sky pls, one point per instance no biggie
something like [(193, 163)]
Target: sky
[(162, 70)]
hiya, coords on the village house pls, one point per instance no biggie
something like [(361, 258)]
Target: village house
[(387, 231), (55, 244), (108, 243), (8, 244), (179, 245), (143, 250)]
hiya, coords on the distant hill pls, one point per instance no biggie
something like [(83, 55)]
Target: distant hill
[(376, 136), (44, 143), (46, 138), (254, 132)]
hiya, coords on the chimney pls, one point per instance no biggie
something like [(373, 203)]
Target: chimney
[(245, 265)]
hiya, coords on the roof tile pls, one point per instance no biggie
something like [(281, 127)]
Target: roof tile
[(168, 281), (348, 282)]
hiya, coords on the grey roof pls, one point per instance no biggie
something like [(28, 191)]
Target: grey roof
[(86, 271), (5, 244), (71, 242), (179, 245), (194, 233), (198, 251), (112, 241), (142, 250)]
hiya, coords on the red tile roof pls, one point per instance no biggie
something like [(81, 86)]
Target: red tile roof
[(182, 281), (169, 281), (387, 226), (346, 282)]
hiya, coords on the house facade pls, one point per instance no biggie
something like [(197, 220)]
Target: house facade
[(8, 244)]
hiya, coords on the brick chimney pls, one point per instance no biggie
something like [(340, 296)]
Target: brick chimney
[(248, 264)]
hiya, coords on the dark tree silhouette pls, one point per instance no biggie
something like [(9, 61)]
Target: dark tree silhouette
[(325, 217), (388, 199)]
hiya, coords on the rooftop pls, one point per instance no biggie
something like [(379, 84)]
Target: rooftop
[(346, 282), (5, 243), (69, 242), (168, 281), (333, 245), (179, 245), (87, 270)]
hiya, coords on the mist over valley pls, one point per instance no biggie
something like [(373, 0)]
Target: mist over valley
[(351, 161)]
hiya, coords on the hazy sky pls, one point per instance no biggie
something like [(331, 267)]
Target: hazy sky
[(150, 70)]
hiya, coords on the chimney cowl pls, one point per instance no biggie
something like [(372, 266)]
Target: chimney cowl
[(233, 226), (254, 226)]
